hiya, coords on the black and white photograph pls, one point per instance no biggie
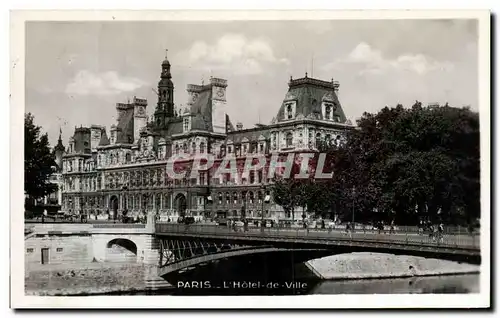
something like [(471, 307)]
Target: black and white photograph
[(256, 155)]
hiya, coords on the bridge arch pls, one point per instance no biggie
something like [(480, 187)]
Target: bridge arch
[(121, 250)]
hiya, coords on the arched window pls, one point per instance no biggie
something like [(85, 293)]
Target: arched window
[(184, 147), (328, 112), (128, 158), (158, 202), (220, 198), (328, 139), (318, 139), (289, 113), (177, 149), (193, 147), (235, 197), (227, 197), (202, 147), (222, 150), (289, 139), (251, 197)]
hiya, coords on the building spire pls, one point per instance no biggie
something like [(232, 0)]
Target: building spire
[(166, 54), (59, 145)]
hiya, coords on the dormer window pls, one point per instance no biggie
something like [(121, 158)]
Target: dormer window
[(328, 112), (289, 111), (202, 147)]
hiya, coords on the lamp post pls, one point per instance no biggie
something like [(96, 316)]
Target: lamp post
[(125, 210), (263, 188), (244, 210)]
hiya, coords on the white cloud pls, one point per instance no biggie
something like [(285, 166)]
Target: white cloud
[(232, 52), (107, 83), (372, 61)]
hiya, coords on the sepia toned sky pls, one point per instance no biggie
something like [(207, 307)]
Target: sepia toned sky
[(77, 71)]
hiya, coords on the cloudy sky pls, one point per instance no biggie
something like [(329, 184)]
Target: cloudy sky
[(77, 71)]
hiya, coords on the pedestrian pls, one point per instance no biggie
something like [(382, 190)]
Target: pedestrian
[(431, 232), (391, 230), (440, 232)]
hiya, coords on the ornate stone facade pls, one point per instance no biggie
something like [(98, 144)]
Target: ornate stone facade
[(127, 171)]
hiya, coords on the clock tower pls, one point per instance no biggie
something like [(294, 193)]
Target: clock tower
[(165, 106), (218, 86)]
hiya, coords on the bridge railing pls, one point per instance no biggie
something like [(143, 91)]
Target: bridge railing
[(415, 238), (119, 226)]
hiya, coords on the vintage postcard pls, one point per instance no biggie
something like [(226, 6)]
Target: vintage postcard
[(335, 159)]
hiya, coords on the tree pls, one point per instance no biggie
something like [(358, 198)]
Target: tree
[(286, 194), (38, 161), (403, 164), (424, 157)]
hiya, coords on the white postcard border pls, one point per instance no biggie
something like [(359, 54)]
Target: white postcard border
[(17, 71)]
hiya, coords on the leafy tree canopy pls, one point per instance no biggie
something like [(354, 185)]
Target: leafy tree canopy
[(401, 164), (38, 160)]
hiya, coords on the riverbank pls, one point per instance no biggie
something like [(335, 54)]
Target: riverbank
[(378, 265), (92, 278)]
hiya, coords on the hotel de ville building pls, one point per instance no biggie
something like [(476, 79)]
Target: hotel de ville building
[(123, 169)]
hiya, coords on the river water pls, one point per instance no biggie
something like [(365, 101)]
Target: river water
[(266, 276), (276, 276), (448, 284)]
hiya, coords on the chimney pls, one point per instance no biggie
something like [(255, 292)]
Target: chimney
[(239, 126)]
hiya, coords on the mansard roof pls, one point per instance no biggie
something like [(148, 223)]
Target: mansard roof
[(125, 126), (201, 108), (249, 135), (309, 93), (104, 139)]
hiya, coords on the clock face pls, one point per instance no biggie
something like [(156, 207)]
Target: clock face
[(220, 93), (195, 97), (140, 111)]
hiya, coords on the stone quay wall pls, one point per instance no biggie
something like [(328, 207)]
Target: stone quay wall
[(94, 278)]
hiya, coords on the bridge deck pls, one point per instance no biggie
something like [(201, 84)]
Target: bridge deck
[(449, 243)]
